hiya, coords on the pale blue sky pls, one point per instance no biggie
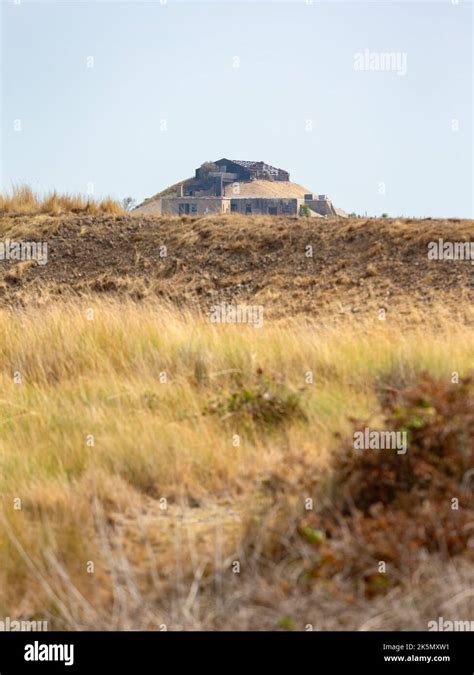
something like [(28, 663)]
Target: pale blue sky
[(295, 68)]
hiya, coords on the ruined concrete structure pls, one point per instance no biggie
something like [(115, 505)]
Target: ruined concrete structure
[(237, 186)]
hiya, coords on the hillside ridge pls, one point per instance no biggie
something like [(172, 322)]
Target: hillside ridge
[(352, 265)]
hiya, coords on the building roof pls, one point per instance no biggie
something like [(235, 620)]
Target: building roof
[(245, 162), (261, 166)]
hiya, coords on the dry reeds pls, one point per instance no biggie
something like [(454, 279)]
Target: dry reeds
[(24, 201)]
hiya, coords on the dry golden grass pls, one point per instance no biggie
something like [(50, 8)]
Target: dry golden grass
[(102, 419), (24, 201)]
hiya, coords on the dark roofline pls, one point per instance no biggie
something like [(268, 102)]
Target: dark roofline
[(249, 164), (254, 166)]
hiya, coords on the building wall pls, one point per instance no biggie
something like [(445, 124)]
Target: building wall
[(200, 206), (264, 206), (322, 206), (194, 206)]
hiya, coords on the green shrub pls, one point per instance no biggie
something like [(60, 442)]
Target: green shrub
[(267, 401), (305, 211), (438, 418), (378, 505)]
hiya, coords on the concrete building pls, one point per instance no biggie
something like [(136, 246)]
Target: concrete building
[(235, 186), (193, 206)]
